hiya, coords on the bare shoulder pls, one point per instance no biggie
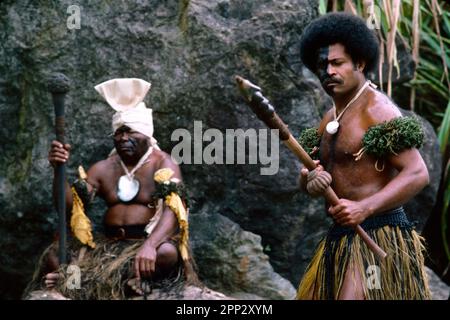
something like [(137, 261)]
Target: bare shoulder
[(99, 169), (164, 160), (160, 156), (380, 108), (102, 165)]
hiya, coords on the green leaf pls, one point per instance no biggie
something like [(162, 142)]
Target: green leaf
[(444, 130), (322, 7), (445, 209)]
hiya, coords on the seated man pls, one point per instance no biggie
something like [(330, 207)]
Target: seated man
[(141, 233)]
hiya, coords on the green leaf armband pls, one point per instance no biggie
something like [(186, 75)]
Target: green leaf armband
[(85, 191), (166, 185), (310, 141), (391, 137)]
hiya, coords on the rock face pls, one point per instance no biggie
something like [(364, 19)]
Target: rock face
[(244, 268), (190, 52), (439, 290)]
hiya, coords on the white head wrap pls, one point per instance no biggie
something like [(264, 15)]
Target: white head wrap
[(125, 96)]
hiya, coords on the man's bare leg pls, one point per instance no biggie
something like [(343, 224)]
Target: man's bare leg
[(352, 288), (166, 258)]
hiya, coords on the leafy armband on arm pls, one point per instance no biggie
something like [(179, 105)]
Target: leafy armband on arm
[(392, 137), (166, 185), (310, 141), (85, 191)]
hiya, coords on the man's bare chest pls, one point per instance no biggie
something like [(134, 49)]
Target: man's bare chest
[(143, 177), (341, 146)]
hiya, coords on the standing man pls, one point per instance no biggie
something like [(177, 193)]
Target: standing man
[(144, 238), (370, 151)]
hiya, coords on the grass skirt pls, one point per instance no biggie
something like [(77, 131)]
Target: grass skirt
[(400, 276), (104, 272)]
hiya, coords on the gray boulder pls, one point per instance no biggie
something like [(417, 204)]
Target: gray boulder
[(439, 290), (232, 260)]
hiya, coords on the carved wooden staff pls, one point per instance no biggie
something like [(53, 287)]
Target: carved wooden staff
[(266, 112), (58, 85)]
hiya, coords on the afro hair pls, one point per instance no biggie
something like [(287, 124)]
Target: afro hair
[(349, 30)]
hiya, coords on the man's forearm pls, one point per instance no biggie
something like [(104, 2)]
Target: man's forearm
[(166, 227)]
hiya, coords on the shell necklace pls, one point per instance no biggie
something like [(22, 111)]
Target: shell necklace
[(333, 126), (128, 186)]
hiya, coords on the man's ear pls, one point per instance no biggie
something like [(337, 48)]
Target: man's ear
[(360, 66)]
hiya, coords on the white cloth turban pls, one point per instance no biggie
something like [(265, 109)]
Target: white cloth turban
[(125, 96)]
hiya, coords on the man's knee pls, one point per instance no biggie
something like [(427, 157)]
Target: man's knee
[(167, 255)]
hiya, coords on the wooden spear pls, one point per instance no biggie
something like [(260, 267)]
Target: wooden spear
[(266, 112)]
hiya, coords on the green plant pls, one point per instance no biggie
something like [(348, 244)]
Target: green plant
[(443, 137)]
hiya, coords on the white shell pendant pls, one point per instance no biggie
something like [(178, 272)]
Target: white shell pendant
[(127, 188), (332, 127)]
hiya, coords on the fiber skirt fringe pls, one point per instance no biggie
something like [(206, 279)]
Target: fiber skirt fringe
[(104, 271), (401, 276)]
